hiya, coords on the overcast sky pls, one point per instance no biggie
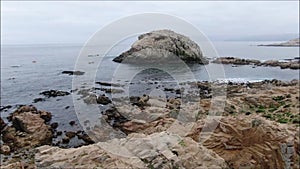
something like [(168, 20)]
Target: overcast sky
[(74, 22)]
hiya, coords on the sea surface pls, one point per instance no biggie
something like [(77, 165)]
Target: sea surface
[(27, 70)]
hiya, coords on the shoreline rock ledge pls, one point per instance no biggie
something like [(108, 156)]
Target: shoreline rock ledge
[(162, 45)]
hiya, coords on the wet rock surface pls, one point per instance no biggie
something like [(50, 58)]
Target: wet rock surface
[(4, 108), (72, 72), (54, 93), (38, 100)]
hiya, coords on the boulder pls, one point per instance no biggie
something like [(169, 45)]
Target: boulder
[(103, 100), (70, 134), (28, 129), (90, 99), (161, 45), (5, 149), (45, 115)]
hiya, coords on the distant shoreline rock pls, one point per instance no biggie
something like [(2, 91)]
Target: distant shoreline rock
[(162, 45), (290, 43), (273, 63)]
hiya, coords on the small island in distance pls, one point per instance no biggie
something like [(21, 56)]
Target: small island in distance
[(290, 43)]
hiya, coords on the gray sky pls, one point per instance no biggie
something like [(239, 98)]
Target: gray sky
[(74, 22)]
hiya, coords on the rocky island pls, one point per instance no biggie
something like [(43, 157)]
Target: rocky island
[(163, 45), (290, 43)]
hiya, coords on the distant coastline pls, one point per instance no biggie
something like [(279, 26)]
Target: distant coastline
[(290, 43)]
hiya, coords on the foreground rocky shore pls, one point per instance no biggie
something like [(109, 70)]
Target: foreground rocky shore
[(257, 127)]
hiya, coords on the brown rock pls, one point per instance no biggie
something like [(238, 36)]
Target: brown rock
[(54, 125), (2, 124), (65, 140), (103, 100), (70, 134), (85, 138), (5, 149), (45, 115), (33, 129), (240, 140)]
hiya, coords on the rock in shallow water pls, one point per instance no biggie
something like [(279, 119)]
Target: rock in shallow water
[(54, 93), (163, 46), (73, 72)]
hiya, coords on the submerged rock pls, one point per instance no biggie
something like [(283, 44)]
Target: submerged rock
[(109, 84), (5, 107), (160, 46), (54, 93), (73, 72), (38, 100)]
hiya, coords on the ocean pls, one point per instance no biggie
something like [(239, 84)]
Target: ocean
[(27, 70)]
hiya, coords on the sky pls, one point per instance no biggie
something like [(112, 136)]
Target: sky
[(39, 22)]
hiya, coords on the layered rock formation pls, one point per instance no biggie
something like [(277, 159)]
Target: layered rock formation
[(252, 143), (158, 150), (163, 46), (273, 63)]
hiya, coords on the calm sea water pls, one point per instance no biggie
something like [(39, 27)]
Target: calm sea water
[(22, 80), (26, 70)]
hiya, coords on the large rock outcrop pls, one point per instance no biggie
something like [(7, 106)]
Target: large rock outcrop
[(252, 142), (163, 45), (158, 150)]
